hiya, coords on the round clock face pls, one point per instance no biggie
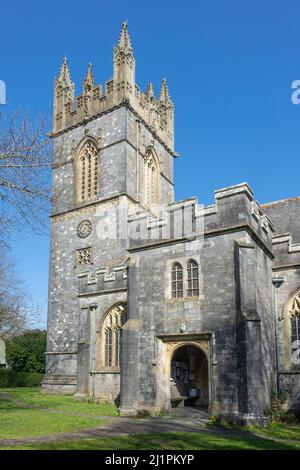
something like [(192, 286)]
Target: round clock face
[(84, 229)]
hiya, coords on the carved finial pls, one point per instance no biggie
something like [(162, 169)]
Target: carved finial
[(164, 92), (64, 77), (150, 91), (90, 76), (63, 96), (124, 64), (88, 82), (124, 39)]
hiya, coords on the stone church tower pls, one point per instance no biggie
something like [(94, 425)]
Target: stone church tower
[(111, 146), (173, 303)]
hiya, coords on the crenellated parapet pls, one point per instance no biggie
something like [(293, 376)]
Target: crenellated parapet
[(70, 112), (287, 253), (234, 210), (109, 278)]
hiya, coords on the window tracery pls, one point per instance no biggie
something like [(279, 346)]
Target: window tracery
[(87, 171), (111, 332), (151, 179)]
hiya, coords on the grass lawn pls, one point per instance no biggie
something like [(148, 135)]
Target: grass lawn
[(34, 396), (17, 421), (169, 441), (281, 431)]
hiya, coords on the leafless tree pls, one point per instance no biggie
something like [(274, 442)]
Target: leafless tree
[(17, 311), (12, 301), (25, 153)]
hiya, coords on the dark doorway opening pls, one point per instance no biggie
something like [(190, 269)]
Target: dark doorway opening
[(189, 377)]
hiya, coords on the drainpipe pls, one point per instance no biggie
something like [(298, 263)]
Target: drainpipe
[(277, 282), (93, 321)]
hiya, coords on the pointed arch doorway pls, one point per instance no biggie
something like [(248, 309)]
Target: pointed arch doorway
[(189, 376)]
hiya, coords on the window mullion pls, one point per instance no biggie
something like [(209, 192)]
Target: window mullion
[(113, 345)]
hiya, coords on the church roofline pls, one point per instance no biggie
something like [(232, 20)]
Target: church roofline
[(272, 203)]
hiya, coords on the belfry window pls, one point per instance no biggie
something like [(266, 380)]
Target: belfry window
[(87, 168), (111, 331), (192, 279), (151, 179), (177, 281)]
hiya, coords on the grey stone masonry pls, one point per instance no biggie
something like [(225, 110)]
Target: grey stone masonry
[(88, 272), (233, 309), (155, 303), (286, 272)]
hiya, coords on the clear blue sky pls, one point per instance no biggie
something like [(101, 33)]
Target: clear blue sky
[(229, 66)]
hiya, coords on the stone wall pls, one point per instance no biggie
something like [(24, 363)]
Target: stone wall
[(214, 316), (73, 287)]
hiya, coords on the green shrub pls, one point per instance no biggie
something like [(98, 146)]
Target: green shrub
[(26, 352), (280, 416), (12, 378), (213, 421)]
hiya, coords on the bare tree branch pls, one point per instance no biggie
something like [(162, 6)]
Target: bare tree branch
[(25, 160), (12, 301)]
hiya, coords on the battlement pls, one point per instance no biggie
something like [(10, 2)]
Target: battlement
[(234, 209), (71, 111), (108, 278), (287, 253)]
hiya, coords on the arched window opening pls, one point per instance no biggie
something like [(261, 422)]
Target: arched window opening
[(294, 312), (87, 171), (151, 179), (176, 281), (111, 328), (192, 278)]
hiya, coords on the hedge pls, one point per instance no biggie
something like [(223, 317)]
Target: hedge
[(26, 352), (11, 378)]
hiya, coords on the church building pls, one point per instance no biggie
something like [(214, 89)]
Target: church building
[(155, 303)]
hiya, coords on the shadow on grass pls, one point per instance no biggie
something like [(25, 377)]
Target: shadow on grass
[(168, 441), (8, 406)]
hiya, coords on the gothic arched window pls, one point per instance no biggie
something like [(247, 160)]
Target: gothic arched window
[(192, 278), (111, 335), (87, 171), (151, 179), (176, 281), (294, 312)]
